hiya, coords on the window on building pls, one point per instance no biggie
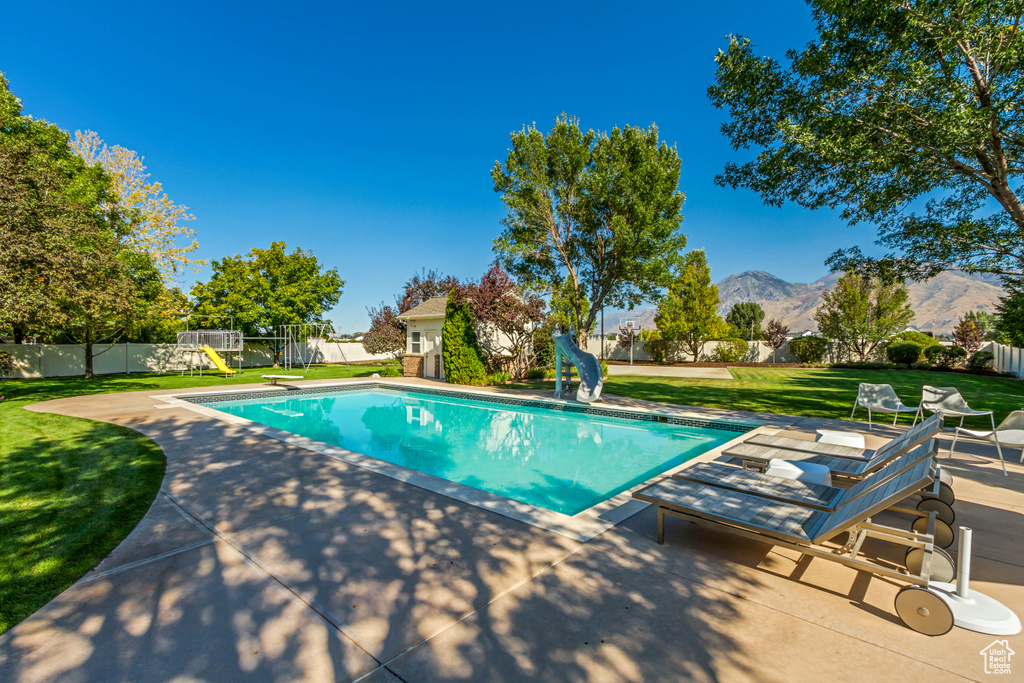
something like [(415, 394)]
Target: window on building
[(415, 346)]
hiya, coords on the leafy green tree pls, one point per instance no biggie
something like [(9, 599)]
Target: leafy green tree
[(895, 105), (746, 317), (989, 322), (1011, 317), (463, 359), (266, 289), (65, 267), (162, 320), (861, 312), (592, 216), (920, 338), (689, 313)]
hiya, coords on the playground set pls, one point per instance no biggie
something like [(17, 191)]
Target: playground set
[(295, 345)]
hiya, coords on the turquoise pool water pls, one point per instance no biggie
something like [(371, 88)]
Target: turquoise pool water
[(556, 460)]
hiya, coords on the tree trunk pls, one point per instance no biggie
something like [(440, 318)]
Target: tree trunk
[(88, 354), (19, 333)]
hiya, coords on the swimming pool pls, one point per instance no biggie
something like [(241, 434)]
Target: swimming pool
[(566, 460)]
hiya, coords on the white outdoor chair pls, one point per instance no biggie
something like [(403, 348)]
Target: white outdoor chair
[(1010, 432), (881, 398)]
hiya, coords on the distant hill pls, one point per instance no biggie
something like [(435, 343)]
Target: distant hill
[(936, 302)]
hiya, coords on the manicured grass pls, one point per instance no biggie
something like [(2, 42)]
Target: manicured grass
[(817, 392), (72, 489)]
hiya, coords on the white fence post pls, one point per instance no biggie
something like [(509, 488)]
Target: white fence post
[(1008, 359)]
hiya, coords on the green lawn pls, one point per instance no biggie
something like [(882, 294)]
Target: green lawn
[(71, 489), (818, 392)]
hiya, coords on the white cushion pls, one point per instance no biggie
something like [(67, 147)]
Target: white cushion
[(834, 436), (810, 472)]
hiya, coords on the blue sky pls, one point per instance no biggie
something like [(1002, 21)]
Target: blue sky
[(366, 131)]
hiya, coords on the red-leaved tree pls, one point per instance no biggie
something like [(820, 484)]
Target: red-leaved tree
[(775, 333), (506, 315), (969, 335), (425, 285), (387, 334)]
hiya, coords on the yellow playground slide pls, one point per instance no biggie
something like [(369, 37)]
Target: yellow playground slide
[(217, 360)]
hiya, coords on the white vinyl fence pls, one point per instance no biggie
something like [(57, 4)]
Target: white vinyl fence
[(757, 352), (1008, 359), (68, 360)]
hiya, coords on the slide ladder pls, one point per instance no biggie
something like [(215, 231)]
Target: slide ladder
[(217, 360), (587, 364)]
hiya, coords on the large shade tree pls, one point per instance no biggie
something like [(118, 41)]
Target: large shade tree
[(591, 216), (905, 114), (65, 267)]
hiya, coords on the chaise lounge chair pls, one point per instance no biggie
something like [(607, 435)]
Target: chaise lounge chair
[(816, 496), (805, 531), (917, 434), (831, 498), (881, 398), (842, 461)]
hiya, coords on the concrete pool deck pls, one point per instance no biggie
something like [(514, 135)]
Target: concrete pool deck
[(263, 560)]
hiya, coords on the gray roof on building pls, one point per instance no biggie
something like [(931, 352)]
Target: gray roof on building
[(431, 308)]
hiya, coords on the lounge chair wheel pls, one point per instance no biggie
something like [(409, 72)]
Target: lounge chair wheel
[(944, 536), (946, 478), (945, 493), (924, 611), (943, 566), (942, 511)]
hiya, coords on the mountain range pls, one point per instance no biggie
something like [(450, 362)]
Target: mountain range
[(937, 303)]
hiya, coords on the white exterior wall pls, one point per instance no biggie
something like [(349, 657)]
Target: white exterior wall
[(68, 360), (430, 349)]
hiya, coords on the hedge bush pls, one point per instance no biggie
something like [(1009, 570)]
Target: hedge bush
[(903, 353), (729, 351), (932, 353), (809, 349), (463, 359), (391, 371), (945, 356), (499, 377), (657, 349), (6, 364), (980, 360)]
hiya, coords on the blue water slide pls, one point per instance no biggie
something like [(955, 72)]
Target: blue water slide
[(587, 364)]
